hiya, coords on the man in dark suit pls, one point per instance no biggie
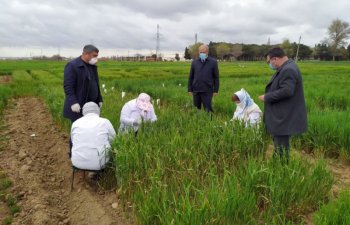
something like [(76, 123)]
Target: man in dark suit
[(203, 82), (81, 83), (285, 111)]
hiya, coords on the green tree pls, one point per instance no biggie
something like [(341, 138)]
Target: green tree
[(187, 54), (339, 32), (222, 49), (194, 50), (212, 50), (177, 57), (236, 50), (287, 48), (322, 52), (304, 51)]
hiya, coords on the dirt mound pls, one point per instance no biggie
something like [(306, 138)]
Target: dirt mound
[(36, 160)]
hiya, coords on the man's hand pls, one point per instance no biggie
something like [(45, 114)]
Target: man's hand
[(100, 104), (76, 108), (190, 93), (262, 98), (215, 94)]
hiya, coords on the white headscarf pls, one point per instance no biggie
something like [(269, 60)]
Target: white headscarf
[(245, 101), (143, 102)]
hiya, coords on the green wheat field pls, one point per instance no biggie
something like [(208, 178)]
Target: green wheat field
[(191, 168)]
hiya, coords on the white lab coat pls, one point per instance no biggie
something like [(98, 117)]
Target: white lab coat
[(91, 137), (251, 115), (131, 113)]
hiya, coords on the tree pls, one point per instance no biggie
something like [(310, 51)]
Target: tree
[(339, 32), (212, 50), (177, 57), (187, 54), (322, 52), (348, 52), (222, 49), (287, 48), (304, 51), (194, 50), (236, 50)]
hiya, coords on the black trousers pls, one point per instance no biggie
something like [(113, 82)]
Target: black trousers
[(70, 140), (203, 98), (281, 143)]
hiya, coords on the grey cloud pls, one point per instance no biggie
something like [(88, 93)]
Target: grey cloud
[(132, 24)]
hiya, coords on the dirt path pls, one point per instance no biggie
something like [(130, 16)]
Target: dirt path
[(36, 160)]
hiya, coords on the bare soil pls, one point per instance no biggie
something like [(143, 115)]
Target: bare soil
[(35, 159)]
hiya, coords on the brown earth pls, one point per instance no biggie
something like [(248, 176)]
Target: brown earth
[(5, 79), (35, 159)]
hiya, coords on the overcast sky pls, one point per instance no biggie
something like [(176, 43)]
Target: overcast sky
[(38, 26)]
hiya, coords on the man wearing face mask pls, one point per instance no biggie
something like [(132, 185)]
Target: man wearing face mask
[(81, 83), (203, 82), (285, 111)]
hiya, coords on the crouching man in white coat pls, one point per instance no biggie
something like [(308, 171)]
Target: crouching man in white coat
[(135, 111), (91, 137)]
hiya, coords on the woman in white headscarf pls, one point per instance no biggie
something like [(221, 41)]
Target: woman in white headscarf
[(246, 110), (135, 111)]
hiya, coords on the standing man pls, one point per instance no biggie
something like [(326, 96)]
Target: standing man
[(81, 83), (285, 110), (203, 82)]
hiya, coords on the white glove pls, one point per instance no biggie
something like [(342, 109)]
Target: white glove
[(100, 104), (137, 122), (76, 108)]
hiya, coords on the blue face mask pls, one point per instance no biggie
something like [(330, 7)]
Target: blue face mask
[(272, 67), (202, 56)]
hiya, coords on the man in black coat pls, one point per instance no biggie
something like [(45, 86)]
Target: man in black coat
[(285, 111), (203, 82), (81, 83)]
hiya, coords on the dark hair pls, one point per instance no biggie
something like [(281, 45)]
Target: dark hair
[(89, 49), (235, 98), (275, 52)]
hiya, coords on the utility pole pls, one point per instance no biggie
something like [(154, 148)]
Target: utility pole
[(296, 56), (158, 43), (195, 38)]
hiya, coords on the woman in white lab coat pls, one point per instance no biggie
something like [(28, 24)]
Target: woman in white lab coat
[(135, 111), (246, 110)]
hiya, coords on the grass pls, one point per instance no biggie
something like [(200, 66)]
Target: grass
[(7, 221), (335, 212), (8, 198), (6, 183), (190, 168)]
